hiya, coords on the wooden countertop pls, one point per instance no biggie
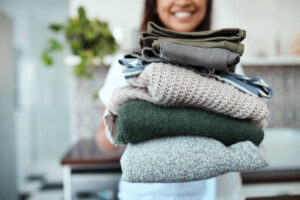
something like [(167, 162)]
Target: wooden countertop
[(86, 152)]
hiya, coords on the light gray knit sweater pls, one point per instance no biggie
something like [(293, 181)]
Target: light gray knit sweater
[(187, 158), (170, 85)]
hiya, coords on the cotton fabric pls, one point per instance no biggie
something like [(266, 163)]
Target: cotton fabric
[(212, 58), (224, 38)]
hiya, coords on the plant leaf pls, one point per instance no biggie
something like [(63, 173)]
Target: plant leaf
[(86, 38), (55, 27), (48, 61), (82, 16), (54, 45)]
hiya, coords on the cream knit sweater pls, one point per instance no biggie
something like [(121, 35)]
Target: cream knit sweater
[(170, 85)]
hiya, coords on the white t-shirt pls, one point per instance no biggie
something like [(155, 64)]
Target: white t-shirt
[(114, 79), (205, 189)]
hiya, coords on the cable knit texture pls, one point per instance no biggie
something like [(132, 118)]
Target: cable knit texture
[(170, 85), (187, 158)]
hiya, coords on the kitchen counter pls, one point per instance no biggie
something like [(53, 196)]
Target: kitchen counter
[(269, 61)]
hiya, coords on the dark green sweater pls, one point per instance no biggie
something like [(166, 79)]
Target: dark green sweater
[(139, 121)]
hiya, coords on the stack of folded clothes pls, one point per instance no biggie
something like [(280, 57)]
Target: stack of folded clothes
[(185, 114)]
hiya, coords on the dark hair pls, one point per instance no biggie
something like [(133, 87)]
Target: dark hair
[(150, 14)]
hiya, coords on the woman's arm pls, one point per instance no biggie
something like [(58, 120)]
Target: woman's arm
[(102, 142)]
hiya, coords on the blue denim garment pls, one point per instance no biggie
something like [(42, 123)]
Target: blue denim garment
[(134, 63), (150, 55), (133, 67), (254, 86)]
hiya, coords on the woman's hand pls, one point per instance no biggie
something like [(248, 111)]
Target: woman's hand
[(103, 143), (296, 47)]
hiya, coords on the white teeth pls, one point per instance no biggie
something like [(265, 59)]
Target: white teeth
[(182, 14)]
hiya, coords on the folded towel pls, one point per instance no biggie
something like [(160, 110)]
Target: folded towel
[(187, 158), (140, 120), (170, 85)]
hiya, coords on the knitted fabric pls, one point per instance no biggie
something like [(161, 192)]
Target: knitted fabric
[(140, 120), (187, 158), (170, 85)]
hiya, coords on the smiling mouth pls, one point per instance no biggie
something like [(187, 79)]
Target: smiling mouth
[(183, 14)]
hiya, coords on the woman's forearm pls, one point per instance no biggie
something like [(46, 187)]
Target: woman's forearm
[(102, 141)]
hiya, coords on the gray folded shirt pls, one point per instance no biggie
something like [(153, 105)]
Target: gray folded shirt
[(231, 46), (206, 59), (187, 158), (211, 58)]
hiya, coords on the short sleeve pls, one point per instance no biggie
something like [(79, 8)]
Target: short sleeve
[(114, 79)]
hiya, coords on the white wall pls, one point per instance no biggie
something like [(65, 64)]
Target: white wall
[(264, 20), (7, 130), (42, 103)]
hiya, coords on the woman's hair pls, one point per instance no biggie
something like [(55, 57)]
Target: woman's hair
[(150, 14)]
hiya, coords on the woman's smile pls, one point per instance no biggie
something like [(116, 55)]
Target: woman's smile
[(181, 15)]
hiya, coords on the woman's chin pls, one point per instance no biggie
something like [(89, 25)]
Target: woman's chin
[(181, 27), (183, 24)]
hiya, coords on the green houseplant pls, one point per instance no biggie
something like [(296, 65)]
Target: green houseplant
[(91, 40)]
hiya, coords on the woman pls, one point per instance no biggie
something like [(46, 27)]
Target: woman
[(178, 15)]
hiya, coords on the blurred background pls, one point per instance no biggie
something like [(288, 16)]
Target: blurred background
[(45, 111)]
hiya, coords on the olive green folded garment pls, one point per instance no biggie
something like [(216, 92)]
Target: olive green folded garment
[(229, 34), (140, 120), (229, 38)]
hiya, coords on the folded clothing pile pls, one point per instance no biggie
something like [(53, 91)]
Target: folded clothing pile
[(184, 114)]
